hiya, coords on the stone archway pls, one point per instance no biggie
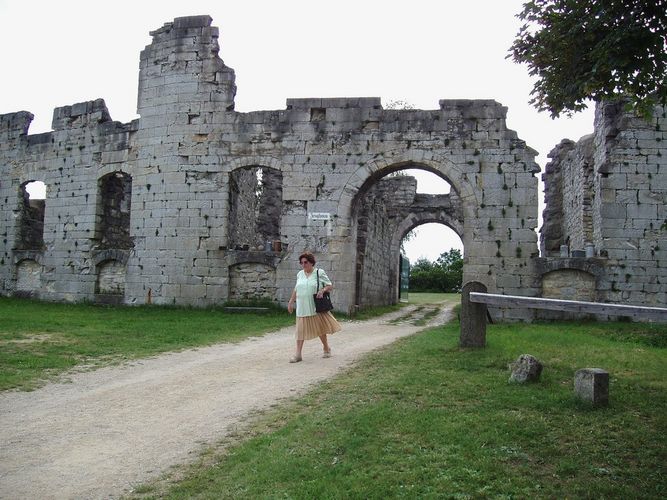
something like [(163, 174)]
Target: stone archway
[(412, 221), (384, 210), (392, 161)]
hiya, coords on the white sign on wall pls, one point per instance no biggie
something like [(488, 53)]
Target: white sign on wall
[(319, 216)]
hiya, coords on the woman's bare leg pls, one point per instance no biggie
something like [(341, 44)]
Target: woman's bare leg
[(297, 356), (325, 345)]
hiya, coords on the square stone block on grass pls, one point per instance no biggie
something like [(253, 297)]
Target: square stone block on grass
[(592, 385)]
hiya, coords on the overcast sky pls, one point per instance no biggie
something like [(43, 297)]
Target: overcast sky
[(57, 53)]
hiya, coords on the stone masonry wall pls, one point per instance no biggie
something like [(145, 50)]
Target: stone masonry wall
[(377, 223), (616, 199), (578, 194), (84, 146), (631, 200), (188, 142)]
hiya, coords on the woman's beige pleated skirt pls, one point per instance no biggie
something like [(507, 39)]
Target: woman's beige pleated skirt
[(311, 327)]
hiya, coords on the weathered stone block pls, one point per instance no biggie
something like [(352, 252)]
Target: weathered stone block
[(592, 385)]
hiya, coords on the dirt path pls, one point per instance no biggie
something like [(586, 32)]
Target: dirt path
[(107, 431)]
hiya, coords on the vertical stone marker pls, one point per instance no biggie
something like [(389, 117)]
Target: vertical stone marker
[(592, 385), (473, 317)]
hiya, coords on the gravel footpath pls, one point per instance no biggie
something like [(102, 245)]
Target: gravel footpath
[(109, 430)]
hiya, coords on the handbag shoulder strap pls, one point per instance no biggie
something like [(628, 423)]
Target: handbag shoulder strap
[(317, 274)]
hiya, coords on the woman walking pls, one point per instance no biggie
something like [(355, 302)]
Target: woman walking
[(309, 323)]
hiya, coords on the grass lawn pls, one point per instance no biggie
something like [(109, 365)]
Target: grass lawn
[(426, 419), (422, 298), (39, 340)]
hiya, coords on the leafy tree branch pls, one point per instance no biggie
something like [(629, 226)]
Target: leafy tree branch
[(593, 49)]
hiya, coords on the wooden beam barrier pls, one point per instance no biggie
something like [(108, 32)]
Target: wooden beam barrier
[(658, 314)]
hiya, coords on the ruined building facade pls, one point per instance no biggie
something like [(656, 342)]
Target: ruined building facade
[(197, 204), (604, 236)]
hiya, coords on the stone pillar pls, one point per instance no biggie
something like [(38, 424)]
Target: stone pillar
[(473, 317), (592, 385)]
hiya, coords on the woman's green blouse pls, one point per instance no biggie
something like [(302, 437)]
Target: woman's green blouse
[(306, 287)]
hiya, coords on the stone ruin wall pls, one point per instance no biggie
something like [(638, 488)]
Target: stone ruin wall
[(606, 205), (192, 238)]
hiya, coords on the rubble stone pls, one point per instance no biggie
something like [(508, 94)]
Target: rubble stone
[(526, 368)]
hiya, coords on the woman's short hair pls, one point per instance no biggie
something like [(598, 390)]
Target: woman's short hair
[(308, 256)]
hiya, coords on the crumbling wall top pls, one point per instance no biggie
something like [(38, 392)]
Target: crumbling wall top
[(474, 108), (80, 115), (14, 125), (183, 23), (335, 102)]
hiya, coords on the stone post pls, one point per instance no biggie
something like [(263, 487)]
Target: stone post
[(592, 385), (473, 317)]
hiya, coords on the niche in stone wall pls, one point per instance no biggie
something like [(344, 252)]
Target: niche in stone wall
[(32, 203), (252, 281), (255, 207), (28, 277), (113, 211), (110, 278), (569, 284)]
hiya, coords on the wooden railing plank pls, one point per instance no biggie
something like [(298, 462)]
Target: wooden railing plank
[(636, 312)]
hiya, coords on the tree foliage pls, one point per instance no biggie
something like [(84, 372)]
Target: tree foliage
[(443, 275), (593, 49)]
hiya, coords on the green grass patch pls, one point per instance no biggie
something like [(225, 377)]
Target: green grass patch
[(424, 418), (422, 298), (39, 340)]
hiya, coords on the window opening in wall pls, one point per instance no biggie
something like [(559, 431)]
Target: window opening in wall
[(255, 210), (114, 209), (318, 114), (32, 205)]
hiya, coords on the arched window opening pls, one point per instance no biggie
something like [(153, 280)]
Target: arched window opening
[(32, 206), (114, 209)]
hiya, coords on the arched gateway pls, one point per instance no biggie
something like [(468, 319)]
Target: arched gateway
[(203, 175)]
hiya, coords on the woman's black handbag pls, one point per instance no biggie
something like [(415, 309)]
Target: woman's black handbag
[(324, 304)]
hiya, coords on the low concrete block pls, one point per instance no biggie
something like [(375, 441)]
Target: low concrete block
[(592, 385)]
